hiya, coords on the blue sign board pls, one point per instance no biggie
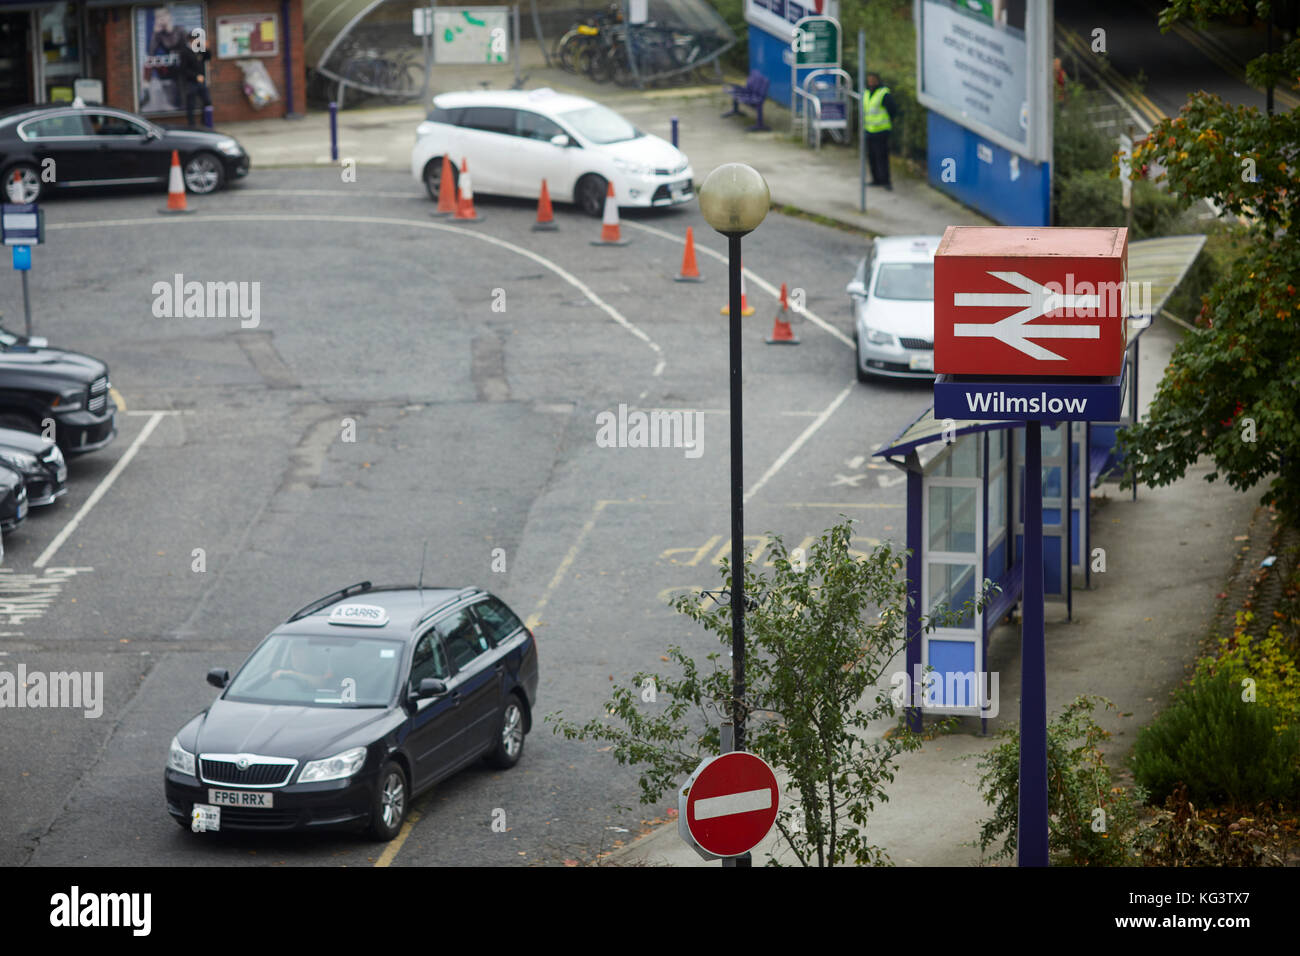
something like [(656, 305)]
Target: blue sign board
[(1025, 400), (1007, 188)]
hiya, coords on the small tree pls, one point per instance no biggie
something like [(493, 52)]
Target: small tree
[(814, 651), (1091, 822)]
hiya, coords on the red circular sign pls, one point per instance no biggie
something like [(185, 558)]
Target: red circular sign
[(732, 804)]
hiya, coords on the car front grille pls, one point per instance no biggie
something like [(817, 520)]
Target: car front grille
[(664, 171), (260, 772), (98, 396), (916, 344), (246, 819)]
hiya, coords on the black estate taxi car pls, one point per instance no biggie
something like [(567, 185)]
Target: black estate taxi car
[(355, 705)]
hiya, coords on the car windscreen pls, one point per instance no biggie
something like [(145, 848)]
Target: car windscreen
[(600, 125), (911, 281), (332, 671)]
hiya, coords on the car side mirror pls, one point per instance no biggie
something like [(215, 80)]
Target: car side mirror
[(430, 687), (218, 677), (857, 289), (559, 139)]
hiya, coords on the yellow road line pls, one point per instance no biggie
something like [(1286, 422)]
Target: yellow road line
[(390, 851), (117, 398)]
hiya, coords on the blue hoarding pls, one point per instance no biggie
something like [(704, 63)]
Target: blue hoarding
[(1007, 188)]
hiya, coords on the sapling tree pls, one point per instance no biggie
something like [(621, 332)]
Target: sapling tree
[(818, 637)]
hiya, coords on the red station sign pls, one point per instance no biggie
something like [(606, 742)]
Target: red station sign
[(730, 803), (1040, 302)]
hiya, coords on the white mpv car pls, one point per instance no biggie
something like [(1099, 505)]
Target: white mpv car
[(514, 139)]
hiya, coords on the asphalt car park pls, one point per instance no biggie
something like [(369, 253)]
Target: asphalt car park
[(405, 388)]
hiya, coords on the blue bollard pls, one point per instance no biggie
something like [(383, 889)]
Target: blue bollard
[(674, 130), (334, 132), (207, 116)]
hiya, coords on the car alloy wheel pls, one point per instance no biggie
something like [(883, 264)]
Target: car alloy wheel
[(203, 174), (22, 184), (591, 195), (510, 741), (390, 803)]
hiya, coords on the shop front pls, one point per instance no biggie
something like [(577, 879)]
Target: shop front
[(128, 55)]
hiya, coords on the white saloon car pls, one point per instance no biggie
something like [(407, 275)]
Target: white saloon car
[(893, 308), (513, 139)]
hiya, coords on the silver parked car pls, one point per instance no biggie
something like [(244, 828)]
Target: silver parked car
[(892, 295)]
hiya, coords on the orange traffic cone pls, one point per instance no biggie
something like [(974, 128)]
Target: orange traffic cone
[(465, 207), (745, 307), (609, 233), (782, 334), (545, 216), (690, 271), (176, 188), (446, 190)]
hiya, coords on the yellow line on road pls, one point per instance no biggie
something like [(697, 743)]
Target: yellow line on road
[(390, 851), (117, 398)]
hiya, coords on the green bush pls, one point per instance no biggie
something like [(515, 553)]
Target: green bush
[(1091, 822), (1221, 747), (1091, 197)]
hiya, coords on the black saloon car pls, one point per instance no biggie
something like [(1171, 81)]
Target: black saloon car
[(13, 500), (40, 386), (40, 462), (64, 147), (354, 706)]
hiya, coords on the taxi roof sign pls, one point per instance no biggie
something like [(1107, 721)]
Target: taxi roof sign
[(359, 615)]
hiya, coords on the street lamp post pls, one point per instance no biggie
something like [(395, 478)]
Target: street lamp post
[(734, 199)]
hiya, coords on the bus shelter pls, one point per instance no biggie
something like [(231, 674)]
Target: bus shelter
[(965, 512)]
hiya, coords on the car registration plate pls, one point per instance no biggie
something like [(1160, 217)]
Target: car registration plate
[(22, 510), (240, 798), (63, 473), (206, 818), (678, 190), (921, 363)]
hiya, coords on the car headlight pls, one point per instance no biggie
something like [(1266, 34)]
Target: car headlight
[(19, 461), (636, 169), (230, 147), (877, 337), (70, 401), (180, 759), (338, 767)]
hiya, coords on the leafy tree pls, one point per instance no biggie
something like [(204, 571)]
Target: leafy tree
[(822, 631), (1232, 389)]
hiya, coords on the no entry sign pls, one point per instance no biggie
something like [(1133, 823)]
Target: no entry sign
[(729, 804), (1032, 302)]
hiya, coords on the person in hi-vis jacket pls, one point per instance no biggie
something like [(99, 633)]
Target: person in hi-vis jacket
[(878, 113)]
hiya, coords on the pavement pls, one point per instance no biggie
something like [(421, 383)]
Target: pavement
[(1133, 634)]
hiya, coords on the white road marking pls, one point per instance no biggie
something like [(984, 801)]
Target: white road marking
[(100, 490), (798, 443), (772, 290), (727, 804), (390, 221)]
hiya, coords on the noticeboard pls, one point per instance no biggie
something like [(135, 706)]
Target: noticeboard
[(816, 42), (254, 34), (471, 35)]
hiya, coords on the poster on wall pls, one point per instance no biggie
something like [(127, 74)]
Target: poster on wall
[(255, 34), (778, 17), (160, 33)]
